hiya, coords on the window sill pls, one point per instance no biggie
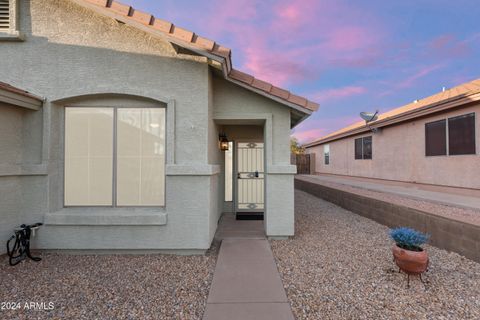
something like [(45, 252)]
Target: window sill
[(23, 170), (89, 216), (12, 36)]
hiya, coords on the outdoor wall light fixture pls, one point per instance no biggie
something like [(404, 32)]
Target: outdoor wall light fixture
[(222, 138)]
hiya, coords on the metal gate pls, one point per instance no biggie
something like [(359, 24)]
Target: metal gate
[(250, 177)]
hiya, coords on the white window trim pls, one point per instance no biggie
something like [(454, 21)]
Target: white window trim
[(13, 33), (326, 154)]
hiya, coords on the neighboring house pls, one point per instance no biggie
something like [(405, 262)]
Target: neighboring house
[(435, 140), (121, 151)]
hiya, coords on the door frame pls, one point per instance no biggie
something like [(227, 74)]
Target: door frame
[(235, 177)]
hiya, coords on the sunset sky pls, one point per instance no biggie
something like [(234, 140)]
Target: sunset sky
[(349, 56)]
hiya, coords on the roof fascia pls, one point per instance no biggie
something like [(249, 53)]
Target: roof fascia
[(20, 100), (226, 62), (142, 27), (305, 111), (409, 115)]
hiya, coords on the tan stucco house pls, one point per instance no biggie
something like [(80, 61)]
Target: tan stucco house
[(111, 127), (432, 141)]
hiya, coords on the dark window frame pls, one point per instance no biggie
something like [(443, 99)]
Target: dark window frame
[(363, 145)]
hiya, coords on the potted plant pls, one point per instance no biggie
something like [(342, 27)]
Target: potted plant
[(408, 254)]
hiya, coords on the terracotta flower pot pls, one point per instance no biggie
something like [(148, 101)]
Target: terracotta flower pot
[(410, 262)]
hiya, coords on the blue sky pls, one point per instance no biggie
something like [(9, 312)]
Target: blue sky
[(349, 56)]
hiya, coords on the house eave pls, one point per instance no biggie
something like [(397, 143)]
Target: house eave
[(20, 100), (406, 116), (223, 59)]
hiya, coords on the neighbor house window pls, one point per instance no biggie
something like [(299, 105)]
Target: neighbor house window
[(326, 153), (114, 156), (461, 134), (455, 136), (436, 138), (363, 148)]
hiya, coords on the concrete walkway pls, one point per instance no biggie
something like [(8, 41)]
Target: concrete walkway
[(246, 283), (442, 195)]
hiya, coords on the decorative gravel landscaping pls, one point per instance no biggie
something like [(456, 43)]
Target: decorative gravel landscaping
[(339, 266), (109, 287)]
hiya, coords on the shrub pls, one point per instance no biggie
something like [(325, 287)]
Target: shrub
[(408, 238)]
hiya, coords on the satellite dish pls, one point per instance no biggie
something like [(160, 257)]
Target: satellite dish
[(369, 116)]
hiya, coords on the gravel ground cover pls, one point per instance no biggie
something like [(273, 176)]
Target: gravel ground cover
[(468, 215), (109, 286), (339, 266)]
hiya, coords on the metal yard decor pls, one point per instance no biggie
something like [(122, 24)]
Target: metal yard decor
[(18, 246)]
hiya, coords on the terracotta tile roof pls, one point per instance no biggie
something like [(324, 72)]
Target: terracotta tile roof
[(272, 90), (10, 88), (462, 91), (192, 40)]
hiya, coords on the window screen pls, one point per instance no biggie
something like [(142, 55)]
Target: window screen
[(461, 134), (363, 148), (140, 156), (326, 153), (367, 147), (435, 138), (107, 169), (358, 148), (88, 156)]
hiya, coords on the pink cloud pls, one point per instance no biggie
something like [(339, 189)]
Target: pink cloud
[(316, 128), (448, 46), (309, 135), (278, 68), (349, 38), (290, 12), (338, 93), (291, 17), (441, 41), (411, 80), (228, 13), (297, 39), (422, 72)]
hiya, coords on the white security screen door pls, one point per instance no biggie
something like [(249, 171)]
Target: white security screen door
[(250, 177)]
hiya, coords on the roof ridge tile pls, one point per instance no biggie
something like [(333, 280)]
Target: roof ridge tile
[(120, 8), (279, 92), (262, 85), (182, 34), (297, 100), (142, 17), (202, 43), (162, 25)]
